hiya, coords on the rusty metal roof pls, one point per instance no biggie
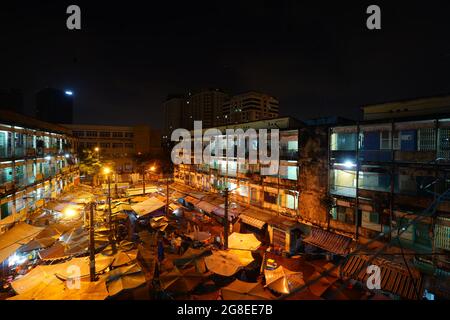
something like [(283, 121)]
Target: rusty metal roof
[(395, 278), (329, 241)]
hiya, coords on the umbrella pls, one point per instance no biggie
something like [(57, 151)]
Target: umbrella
[(122, 258), (82, 264), (198, 235), (240, 290), (225, 263), (124, 278), (37, 244), (243, 241), (190, 256), (181, 281), (123, 245), (283, 280)]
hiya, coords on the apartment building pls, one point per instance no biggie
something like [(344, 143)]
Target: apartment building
[(205, 105), (271, 202), (37, 162), (250, 106), (119, 144)]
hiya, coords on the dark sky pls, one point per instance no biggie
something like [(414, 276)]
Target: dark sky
[(317, 58)]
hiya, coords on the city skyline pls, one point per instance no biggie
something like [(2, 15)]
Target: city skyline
[(142, 54)]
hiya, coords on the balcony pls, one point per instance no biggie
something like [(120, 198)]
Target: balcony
[(343, 191)]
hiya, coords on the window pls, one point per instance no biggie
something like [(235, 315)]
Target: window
[(117, 134), (117, 145), (105, 145), (343, 214), (78, 133), (371, 220), (129, 134), (343, 141), (270, 197), (105, 134), (91, 133), (427, 139), (385, 137)]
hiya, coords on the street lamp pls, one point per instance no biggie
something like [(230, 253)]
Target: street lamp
[(107, 172)]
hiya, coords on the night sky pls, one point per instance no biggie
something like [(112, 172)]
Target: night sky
[(317, 58)]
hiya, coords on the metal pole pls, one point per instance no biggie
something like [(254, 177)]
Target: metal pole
[(167, 195), (111, 238), (143, 182), (91, 243), (226, 226)]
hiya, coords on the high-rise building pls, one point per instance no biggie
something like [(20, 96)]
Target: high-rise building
[(54, 105), (12, 100), (205, 105), (249, 106), (173, 109)]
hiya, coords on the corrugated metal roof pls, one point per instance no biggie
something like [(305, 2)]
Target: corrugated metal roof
[(394, 277), (329, 241)]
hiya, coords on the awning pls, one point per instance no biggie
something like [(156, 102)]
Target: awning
[(233, 211), (138, 191), (16, 237), (394, 277), (148, 206), (206, 206), (252, 221), (243, 241), (329, 241), (192, 200)]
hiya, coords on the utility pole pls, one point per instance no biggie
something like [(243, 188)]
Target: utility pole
[(91, 243), (167, 195), (111, 237), (143, 181), (226, 225)]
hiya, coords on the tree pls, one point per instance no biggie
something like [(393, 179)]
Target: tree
[(90, 163)]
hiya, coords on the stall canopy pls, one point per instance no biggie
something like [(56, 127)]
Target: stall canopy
[(283, 280), (147, 207), (243, 241), (233, 211), (124, 278), (198, 235), (16, 237), (192, 200), (255, 217), (329, 241), (206, 206), (227, 263), (191, 257), (181, 281), (138, 191), (240, 290), (395, 278)]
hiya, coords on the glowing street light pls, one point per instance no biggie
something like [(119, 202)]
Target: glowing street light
[(106, 170), (96, 149), (70, 213), (68, 92)]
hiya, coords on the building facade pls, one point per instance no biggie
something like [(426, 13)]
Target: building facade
[(173, 109), (249, 106), (273, 199), (38, 161), (205, 105), (119, 144)]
